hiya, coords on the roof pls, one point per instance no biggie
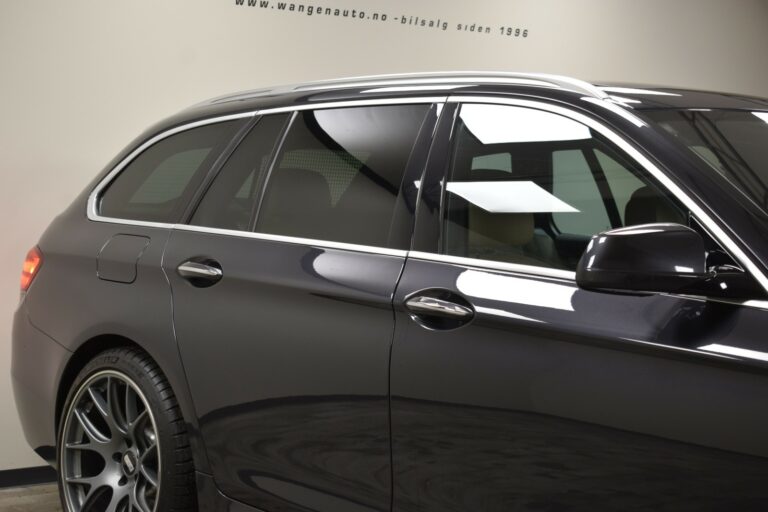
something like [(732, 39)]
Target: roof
[(635, 96), (643, 97), (438, 81), (432, 85)]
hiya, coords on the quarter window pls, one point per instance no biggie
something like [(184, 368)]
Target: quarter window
[(156, 185), (531, 187), (339, 173)]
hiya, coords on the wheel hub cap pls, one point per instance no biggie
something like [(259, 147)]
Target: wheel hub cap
[(130, 463)]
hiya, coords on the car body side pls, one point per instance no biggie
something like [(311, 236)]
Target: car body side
[(69, 314)]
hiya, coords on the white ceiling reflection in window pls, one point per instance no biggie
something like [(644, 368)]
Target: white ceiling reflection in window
[(495, 124), (509, 196)]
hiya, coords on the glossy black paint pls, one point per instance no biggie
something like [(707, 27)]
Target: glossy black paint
[(63, 302), (118, 259), (38, 363), (646, 258), (660, 258), (210, 498), (560, 398), (307, 385), (293, 412)]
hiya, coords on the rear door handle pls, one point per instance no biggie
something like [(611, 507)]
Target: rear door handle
[(424, 305), (201, 273)]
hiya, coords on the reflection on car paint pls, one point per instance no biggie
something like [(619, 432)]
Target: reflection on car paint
[(506, 314), (736, 351), (518, 290)]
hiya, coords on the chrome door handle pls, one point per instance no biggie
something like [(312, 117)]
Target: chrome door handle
[(200, 274), (431, 306)]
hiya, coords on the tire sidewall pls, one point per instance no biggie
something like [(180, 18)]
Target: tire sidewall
[(126, 364)]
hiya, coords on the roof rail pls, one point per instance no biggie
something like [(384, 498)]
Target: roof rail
[(426, 79)]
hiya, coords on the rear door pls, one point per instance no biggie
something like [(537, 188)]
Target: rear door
[(282, 290), (512, 389)]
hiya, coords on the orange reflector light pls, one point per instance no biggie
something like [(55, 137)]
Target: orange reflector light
[(31, 266)]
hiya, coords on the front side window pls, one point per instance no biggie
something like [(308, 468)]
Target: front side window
[(338, 174), (531, 187), (156, 185)]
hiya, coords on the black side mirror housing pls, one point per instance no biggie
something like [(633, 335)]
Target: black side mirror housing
[(645, 258), (661, 258)]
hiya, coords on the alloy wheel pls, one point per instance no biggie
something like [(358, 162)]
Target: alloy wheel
[(110, 453)]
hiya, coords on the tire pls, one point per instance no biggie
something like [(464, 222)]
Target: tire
[(122, 442)]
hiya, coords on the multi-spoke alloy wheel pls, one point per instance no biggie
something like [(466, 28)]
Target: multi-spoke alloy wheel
[(122, 440), (110, 454)]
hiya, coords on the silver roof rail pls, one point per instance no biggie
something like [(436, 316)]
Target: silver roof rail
[(425, 80)]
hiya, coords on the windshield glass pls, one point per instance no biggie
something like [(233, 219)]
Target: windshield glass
[(734, 143)]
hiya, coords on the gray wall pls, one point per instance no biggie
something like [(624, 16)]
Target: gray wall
[(80, 78)]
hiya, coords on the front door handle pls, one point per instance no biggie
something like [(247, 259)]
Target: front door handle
[(439, 309), (201, 273), (424, 305)]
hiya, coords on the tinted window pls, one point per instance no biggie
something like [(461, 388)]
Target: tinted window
[(338, 174), (155, 185), (573, 183), (733, 143), (622, 182), (230, 200), (530, 187)]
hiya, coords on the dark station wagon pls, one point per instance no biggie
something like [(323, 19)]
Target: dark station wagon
[(455, 291)]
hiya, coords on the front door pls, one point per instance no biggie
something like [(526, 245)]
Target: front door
[(513, 389)]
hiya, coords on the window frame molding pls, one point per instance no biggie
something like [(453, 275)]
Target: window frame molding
[(629, 149), (94, 198), (634, 155)]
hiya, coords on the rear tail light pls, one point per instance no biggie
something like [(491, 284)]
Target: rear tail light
[(31, 266)]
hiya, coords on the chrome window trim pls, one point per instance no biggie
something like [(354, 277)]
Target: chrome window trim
[(757, 304), (129, 222), (93, 198), (325, 244), (555, 274), (519, 268), (718, 233)]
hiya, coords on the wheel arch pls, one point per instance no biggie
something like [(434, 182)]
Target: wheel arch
[(167, 359), (84, 353)]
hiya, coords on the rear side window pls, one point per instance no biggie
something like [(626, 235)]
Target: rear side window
[(231, 199), (339, 172), (156, 185)]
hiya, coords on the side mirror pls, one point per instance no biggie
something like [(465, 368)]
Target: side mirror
[(644, 258)]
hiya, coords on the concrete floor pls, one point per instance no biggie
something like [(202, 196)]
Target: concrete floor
[(38, 498)]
